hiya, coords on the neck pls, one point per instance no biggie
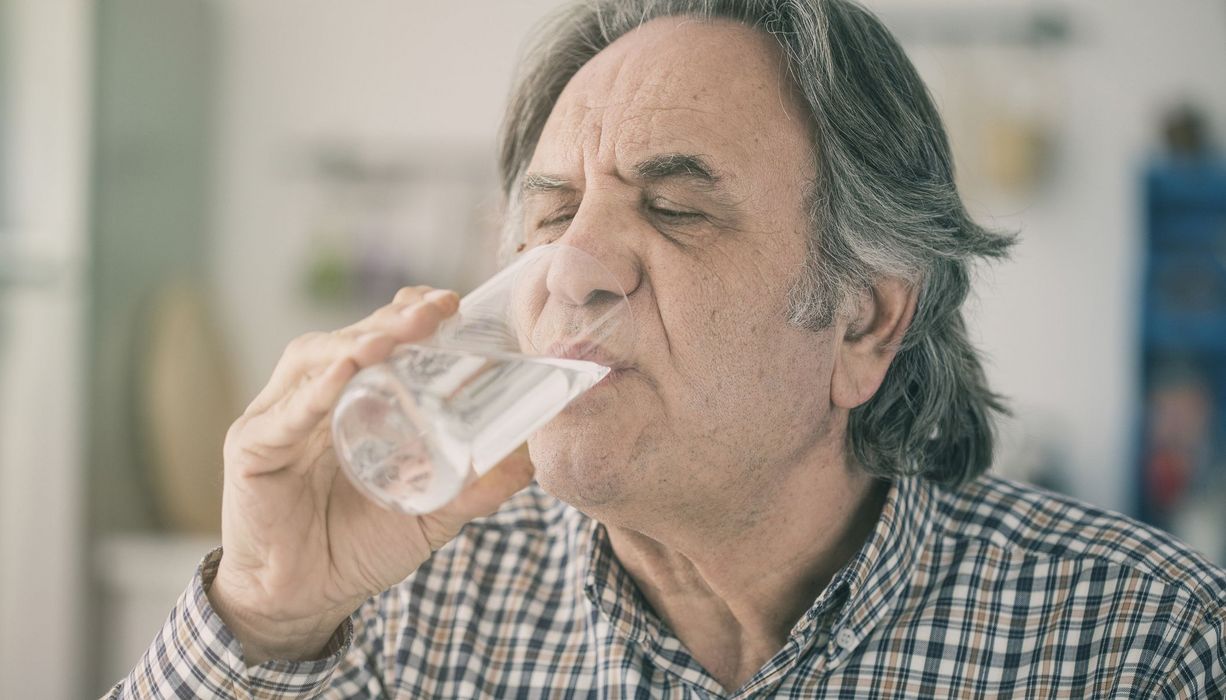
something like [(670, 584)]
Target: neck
[(733, 597)]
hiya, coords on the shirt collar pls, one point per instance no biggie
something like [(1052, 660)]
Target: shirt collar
[(615, 597), (609, 587), (864, 589)]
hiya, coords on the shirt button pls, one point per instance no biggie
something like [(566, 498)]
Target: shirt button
[(846, 638)]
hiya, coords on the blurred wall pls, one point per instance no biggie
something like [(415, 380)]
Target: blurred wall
[(1060, 322), (44, 155), (425, 78)]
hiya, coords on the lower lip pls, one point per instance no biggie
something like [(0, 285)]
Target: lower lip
[(613, 376), (583, 402)]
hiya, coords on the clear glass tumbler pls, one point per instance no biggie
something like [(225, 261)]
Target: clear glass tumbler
[(411, 431)]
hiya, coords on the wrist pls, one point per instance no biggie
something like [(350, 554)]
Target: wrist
[(265, 635)]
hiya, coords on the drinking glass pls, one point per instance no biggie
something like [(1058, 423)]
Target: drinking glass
[(412, 431)]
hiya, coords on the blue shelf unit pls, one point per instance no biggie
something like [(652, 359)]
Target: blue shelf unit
[(1181, 436)]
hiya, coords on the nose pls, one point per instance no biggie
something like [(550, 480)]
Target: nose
[(576, 278), (605, 265)]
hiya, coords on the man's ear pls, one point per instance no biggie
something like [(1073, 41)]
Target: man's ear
[(870, 340)]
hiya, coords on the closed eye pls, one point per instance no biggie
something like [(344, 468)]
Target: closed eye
[(674, 215), (663, 212), (558, 218)]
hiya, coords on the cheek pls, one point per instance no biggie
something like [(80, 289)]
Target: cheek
[(724, 316), (718, 353), (733, 353), (723, 310)]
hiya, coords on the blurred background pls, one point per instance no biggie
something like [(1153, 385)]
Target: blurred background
[(185, 186)]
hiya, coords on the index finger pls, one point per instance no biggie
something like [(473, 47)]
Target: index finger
[(365, 342)]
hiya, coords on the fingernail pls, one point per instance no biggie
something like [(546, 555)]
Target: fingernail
[(436, 295)]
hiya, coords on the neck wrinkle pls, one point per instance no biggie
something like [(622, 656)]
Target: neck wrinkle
[(740, 597)]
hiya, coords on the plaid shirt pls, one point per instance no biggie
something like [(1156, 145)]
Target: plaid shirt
[(994, 589)]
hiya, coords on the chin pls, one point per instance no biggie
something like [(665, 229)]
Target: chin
[(591, 454), (586, 471)]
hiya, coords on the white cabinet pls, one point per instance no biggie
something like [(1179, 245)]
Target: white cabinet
[(44, 124)]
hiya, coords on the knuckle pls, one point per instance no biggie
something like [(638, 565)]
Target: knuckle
[(235, 429), (408, 294), (365, 341), (317, 404), (409, 313), (302, 342), (246, 459), (381, 317), (427, 311), (344, 337), (390, 316), (233, 449)]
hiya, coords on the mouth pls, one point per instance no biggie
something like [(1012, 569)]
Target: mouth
[(592, 352), (588, 351)]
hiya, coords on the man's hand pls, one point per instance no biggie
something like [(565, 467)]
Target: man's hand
[(302, 548)]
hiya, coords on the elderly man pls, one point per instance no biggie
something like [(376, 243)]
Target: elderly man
[(781, 495)]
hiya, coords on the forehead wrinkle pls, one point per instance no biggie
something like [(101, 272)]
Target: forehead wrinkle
[(628, 103)]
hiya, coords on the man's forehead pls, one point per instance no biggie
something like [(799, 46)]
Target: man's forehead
[(685, 58), (677, 84)]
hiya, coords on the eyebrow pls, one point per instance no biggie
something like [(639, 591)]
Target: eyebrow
[(677, 165), (663, 166), (539, 182)]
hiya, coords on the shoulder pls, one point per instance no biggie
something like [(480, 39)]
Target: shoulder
[(1038, 525)]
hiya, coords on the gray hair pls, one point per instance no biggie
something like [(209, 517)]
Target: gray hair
[(883, 205)]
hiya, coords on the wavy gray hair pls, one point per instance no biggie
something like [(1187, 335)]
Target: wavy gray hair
[(883, 204)]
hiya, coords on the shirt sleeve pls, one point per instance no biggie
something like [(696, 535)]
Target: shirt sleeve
[(195, 655), (1199, 670)]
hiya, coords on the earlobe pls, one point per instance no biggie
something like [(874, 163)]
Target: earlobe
[(870, 340)]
